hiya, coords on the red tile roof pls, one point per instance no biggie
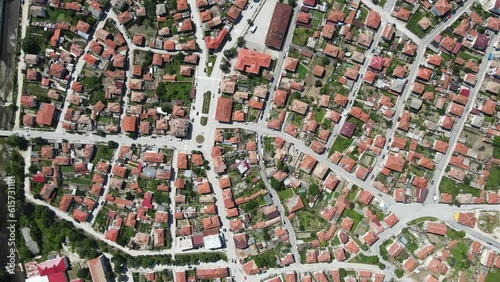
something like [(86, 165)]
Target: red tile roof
[(224, 109), (252, 61)]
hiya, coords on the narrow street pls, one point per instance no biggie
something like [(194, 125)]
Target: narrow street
[(205, 83)]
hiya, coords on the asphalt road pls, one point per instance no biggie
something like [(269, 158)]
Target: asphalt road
[(204, 83)]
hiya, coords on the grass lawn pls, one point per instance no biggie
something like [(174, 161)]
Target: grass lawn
[(309, 221), (300, 35), (316, 23), (179, 91), (83, 181), (340, 144), (317, 14), (493, 181), (60, 15), (267, 259), (125, 235), (204, 121), (365, 259), (285, 194), (412, 244), (493, 275), (356, 217), (302, 71), (103, 152), (174, 68), (210, 64), (206, 102), (446, 56), (449, 186), (35, 89), (412, 24), (104, 120), (319, 116), (467, 56), (67, 169)]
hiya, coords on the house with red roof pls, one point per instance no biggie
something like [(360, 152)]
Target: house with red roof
[(373, 19), (436, 228), (98, 268), (80, 215), (251, 61), (215, 42), (45, 114), (441, 8), (54, 269)]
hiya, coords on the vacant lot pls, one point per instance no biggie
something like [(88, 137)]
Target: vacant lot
[(300, 35), (340, 144)]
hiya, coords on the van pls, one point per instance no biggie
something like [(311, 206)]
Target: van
[(253, 29)]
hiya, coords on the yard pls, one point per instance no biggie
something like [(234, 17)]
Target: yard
[(82, 181), (267, 259), (35, 89), (302, 71), (168, 92), (173, 68), (285, 194), (300, 35), (467, 56), (356, 217), (411, 244), (365, 259), (104, 153), (493, 275), (340, 144), (67, 169), (449, 186), (319, 116), (310, 222), (412, 24), (459, 260), (493, 181)]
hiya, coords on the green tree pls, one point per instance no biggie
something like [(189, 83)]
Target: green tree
[(224, 65), (112, 144), (160, 89), (179, 56), (251, 205), (318, 83), (148, 59), (325, 61), (399, 273), (277, 185), (230, 53), (83, 273), (33, 169), (31, 44), (17, 141), (240, 42), (313, 189)]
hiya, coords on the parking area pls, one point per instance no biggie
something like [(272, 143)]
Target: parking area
[(256, 39)]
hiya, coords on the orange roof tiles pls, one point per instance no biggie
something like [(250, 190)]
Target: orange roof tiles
[(373, 19), (224, 109), (252, 61), (395, 163)]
